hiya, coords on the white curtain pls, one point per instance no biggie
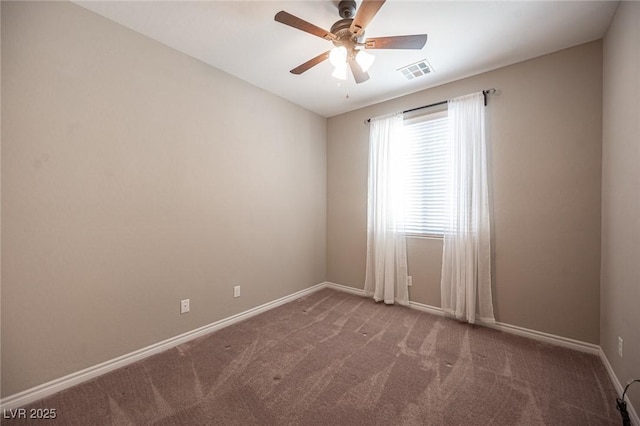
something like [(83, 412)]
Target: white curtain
[(386, 274), (466, 260)]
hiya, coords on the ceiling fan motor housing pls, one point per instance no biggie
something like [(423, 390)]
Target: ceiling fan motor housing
[(347, 8), (344, 36)]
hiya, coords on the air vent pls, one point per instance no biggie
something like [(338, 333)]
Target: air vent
[(415, 70)]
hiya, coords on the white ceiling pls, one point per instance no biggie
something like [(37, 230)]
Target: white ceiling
[(465, 38)]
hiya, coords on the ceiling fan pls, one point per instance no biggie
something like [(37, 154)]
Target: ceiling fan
[(347, 35)]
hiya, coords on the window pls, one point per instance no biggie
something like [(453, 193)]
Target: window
[(426, 138)]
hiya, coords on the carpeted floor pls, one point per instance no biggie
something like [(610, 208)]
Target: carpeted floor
[(332, 358)]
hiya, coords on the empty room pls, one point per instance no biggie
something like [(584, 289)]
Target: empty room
[(320, 212)]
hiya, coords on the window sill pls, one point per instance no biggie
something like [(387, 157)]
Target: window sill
[(425, 236)]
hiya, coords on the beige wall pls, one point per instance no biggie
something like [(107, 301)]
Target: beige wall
[(620, 287), (545, 134), (133, 177)]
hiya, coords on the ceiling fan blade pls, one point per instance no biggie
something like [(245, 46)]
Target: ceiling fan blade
[(359, 75), (364, 15), (416, 41), (302, 25), (310, 63)]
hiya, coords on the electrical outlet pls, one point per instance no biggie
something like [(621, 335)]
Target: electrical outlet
[(184, 306), (409, 280), (236, 291), (620, 346)]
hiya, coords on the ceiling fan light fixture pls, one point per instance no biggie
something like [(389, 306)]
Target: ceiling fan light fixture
[(340, 72), (338, 56), (365, 60)]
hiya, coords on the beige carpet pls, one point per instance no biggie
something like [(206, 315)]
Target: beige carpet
[(333, 358)]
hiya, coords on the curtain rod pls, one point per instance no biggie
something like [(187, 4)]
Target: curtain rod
[(484, 93)]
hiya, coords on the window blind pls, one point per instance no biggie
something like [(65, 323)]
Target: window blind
[(426, 174)]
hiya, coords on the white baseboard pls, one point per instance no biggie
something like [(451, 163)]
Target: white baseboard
[(46, 389), (633, 414), (507, 328), (31, 395), (546, 337), (360, 292), (433, 310), (346, 289)]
